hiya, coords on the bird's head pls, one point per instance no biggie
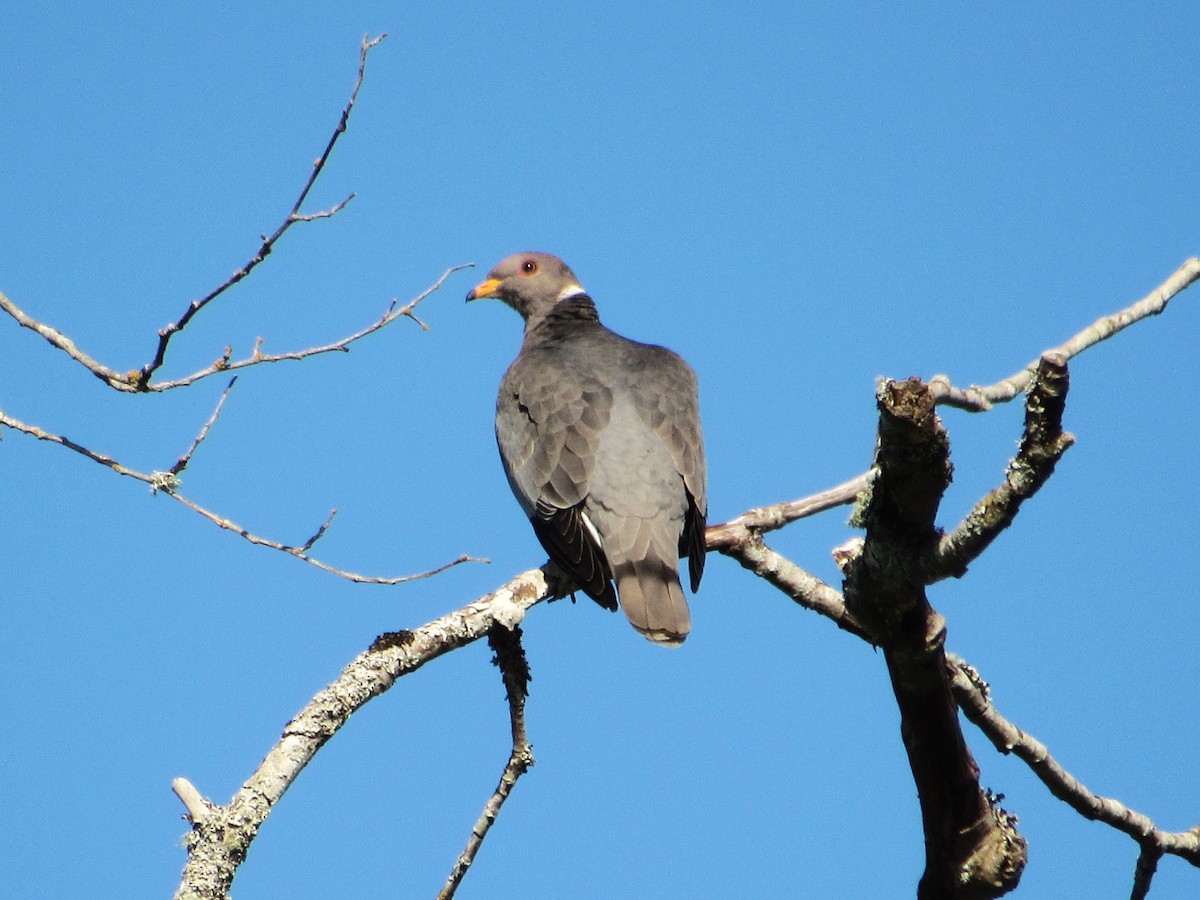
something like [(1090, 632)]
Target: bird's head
[(531, 283)]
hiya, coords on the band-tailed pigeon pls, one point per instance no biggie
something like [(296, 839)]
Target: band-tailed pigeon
[(600, 439)]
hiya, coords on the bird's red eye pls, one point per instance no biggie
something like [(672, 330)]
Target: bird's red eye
[(529, 267)]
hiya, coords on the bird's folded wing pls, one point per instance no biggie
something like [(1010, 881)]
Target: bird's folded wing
[(548, 422)]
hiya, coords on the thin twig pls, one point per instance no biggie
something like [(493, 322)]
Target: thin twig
[(769, 518), (168, 483), (978, 399), (1144, 870), (975, 702), (138, 380), (806, 589), (320, 532), (340, 346), (66, 345), (63, 441), (141, 378), (182, 462), (300, 554), (510, 657), (325, 213)]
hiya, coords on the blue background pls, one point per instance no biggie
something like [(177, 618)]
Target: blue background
[(798, 198)]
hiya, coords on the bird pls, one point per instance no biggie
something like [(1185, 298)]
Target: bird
[(601, 442)]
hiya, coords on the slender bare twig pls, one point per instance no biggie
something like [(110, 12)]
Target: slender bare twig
[(769, 518), (978, 399), (301, 554), (510, 657), (257, 357), (320, 532), (221, 835), (806, 589), (168, 483), (63, 441), (138, 380), (225, 363), (141, 378), (182, 462), (974, 700)]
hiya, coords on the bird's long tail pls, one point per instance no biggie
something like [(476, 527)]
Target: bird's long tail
[(653, 599)]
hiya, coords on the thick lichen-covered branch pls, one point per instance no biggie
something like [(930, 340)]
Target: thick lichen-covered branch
[(221, 835), (972, 850), (1043, 444)]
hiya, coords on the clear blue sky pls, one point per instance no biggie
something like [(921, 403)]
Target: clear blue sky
[(798, 201)]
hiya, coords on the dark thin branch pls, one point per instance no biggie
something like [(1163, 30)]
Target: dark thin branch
[(510, 657), (141, 379), (1144, 871), (168, 483), (320, 532), (182, 462)]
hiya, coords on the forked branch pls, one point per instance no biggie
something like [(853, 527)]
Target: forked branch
[(221, 835), (168, 482), (139, 380)]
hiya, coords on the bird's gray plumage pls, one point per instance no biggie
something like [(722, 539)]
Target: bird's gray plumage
[(600, 438)]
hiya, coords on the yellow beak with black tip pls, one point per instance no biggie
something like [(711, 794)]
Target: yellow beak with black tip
[(484, 289)]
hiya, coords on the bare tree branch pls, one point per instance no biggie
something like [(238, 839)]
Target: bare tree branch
[(138, 381), (1043, 444), (223, 364), (974, 700), (806, 589), (971, 849), (113, 378), (182, 462), (769, 518), (979, 399), (141, 379), (167, 482), (510, 657), (221, 835), (1144, 871)]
